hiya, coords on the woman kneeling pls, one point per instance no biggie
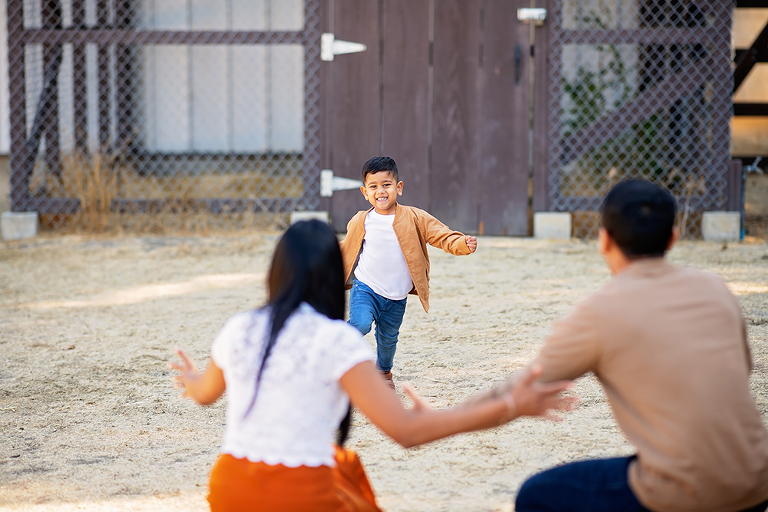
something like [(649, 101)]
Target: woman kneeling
[(290, 370)]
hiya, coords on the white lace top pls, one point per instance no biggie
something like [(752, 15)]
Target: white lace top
[(300, 403)]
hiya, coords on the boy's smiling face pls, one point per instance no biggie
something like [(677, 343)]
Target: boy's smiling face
[(381, 191)]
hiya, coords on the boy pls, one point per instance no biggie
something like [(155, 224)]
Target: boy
[(385, 257)]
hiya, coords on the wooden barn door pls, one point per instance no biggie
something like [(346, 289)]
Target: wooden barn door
[(443, 89)]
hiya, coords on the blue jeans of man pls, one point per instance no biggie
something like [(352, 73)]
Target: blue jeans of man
[(592, 485), (366, 307)]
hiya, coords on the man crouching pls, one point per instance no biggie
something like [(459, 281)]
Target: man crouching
[(669, 346)]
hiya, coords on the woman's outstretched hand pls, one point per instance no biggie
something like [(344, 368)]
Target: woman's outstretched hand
[(532, 398), (419, 404), (188, 370), (204, 388)]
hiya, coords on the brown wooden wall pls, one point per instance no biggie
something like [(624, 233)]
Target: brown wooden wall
[(439, 90)]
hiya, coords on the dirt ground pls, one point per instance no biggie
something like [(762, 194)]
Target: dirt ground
[(89, 420)]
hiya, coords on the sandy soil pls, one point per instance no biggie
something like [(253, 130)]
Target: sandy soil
[(89, 419)]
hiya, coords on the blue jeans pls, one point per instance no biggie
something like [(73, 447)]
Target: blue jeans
[(591, 485), (367, 306)]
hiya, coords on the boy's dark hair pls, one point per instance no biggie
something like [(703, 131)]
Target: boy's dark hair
[(306, 267), (380, 163), (640, 217)]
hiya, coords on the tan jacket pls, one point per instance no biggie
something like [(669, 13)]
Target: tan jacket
[(669, 345), (414, 229)]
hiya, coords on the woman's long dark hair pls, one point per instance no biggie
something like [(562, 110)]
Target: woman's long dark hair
[(306, 267)]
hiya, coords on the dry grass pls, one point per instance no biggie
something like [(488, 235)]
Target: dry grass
[(99, 178), (89, 420)]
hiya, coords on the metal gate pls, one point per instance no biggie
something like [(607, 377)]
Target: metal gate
[(147, 107), (633, 89)]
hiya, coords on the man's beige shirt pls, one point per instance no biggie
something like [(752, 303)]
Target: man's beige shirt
[(669, 346)]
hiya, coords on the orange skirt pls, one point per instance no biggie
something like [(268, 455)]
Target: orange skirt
[(239, 484)]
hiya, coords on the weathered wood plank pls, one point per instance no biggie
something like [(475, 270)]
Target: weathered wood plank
[(64, 205), (357, 104), (504, 128), (639, 35), (405, 82), (541, 97), (51, 18), (105, 85), (325, 102), (79, 82), (21, 167), (312, 118), (152, 37), (456, 114)]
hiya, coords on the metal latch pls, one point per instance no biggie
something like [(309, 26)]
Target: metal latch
[(537, 15), (330, 46), (329, 183)]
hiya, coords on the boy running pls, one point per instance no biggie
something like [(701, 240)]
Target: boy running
[(385, 257)]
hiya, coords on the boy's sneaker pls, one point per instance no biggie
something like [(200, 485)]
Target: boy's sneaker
[(388, 377)]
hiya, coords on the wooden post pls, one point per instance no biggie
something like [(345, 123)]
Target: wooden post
[(312, 117), (79, 81), (541, 112), (21, 169), (325, 119), (51, 19), (102, 20), (123, 77), (722, 105)]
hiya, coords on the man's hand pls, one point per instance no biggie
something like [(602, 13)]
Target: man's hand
[(532, 398), (471, 243)]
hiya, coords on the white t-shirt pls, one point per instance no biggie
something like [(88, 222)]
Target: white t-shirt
[(382, 265), (300, 402)]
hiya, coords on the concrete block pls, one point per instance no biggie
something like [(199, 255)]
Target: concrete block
[(319, 215), (721, 226), (18, 225), (552, 225)]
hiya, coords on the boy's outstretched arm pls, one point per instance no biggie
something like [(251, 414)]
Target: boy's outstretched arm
[(439, 235)]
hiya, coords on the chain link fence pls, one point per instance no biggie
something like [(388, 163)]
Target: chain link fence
[(155, 114), (639, 89)]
